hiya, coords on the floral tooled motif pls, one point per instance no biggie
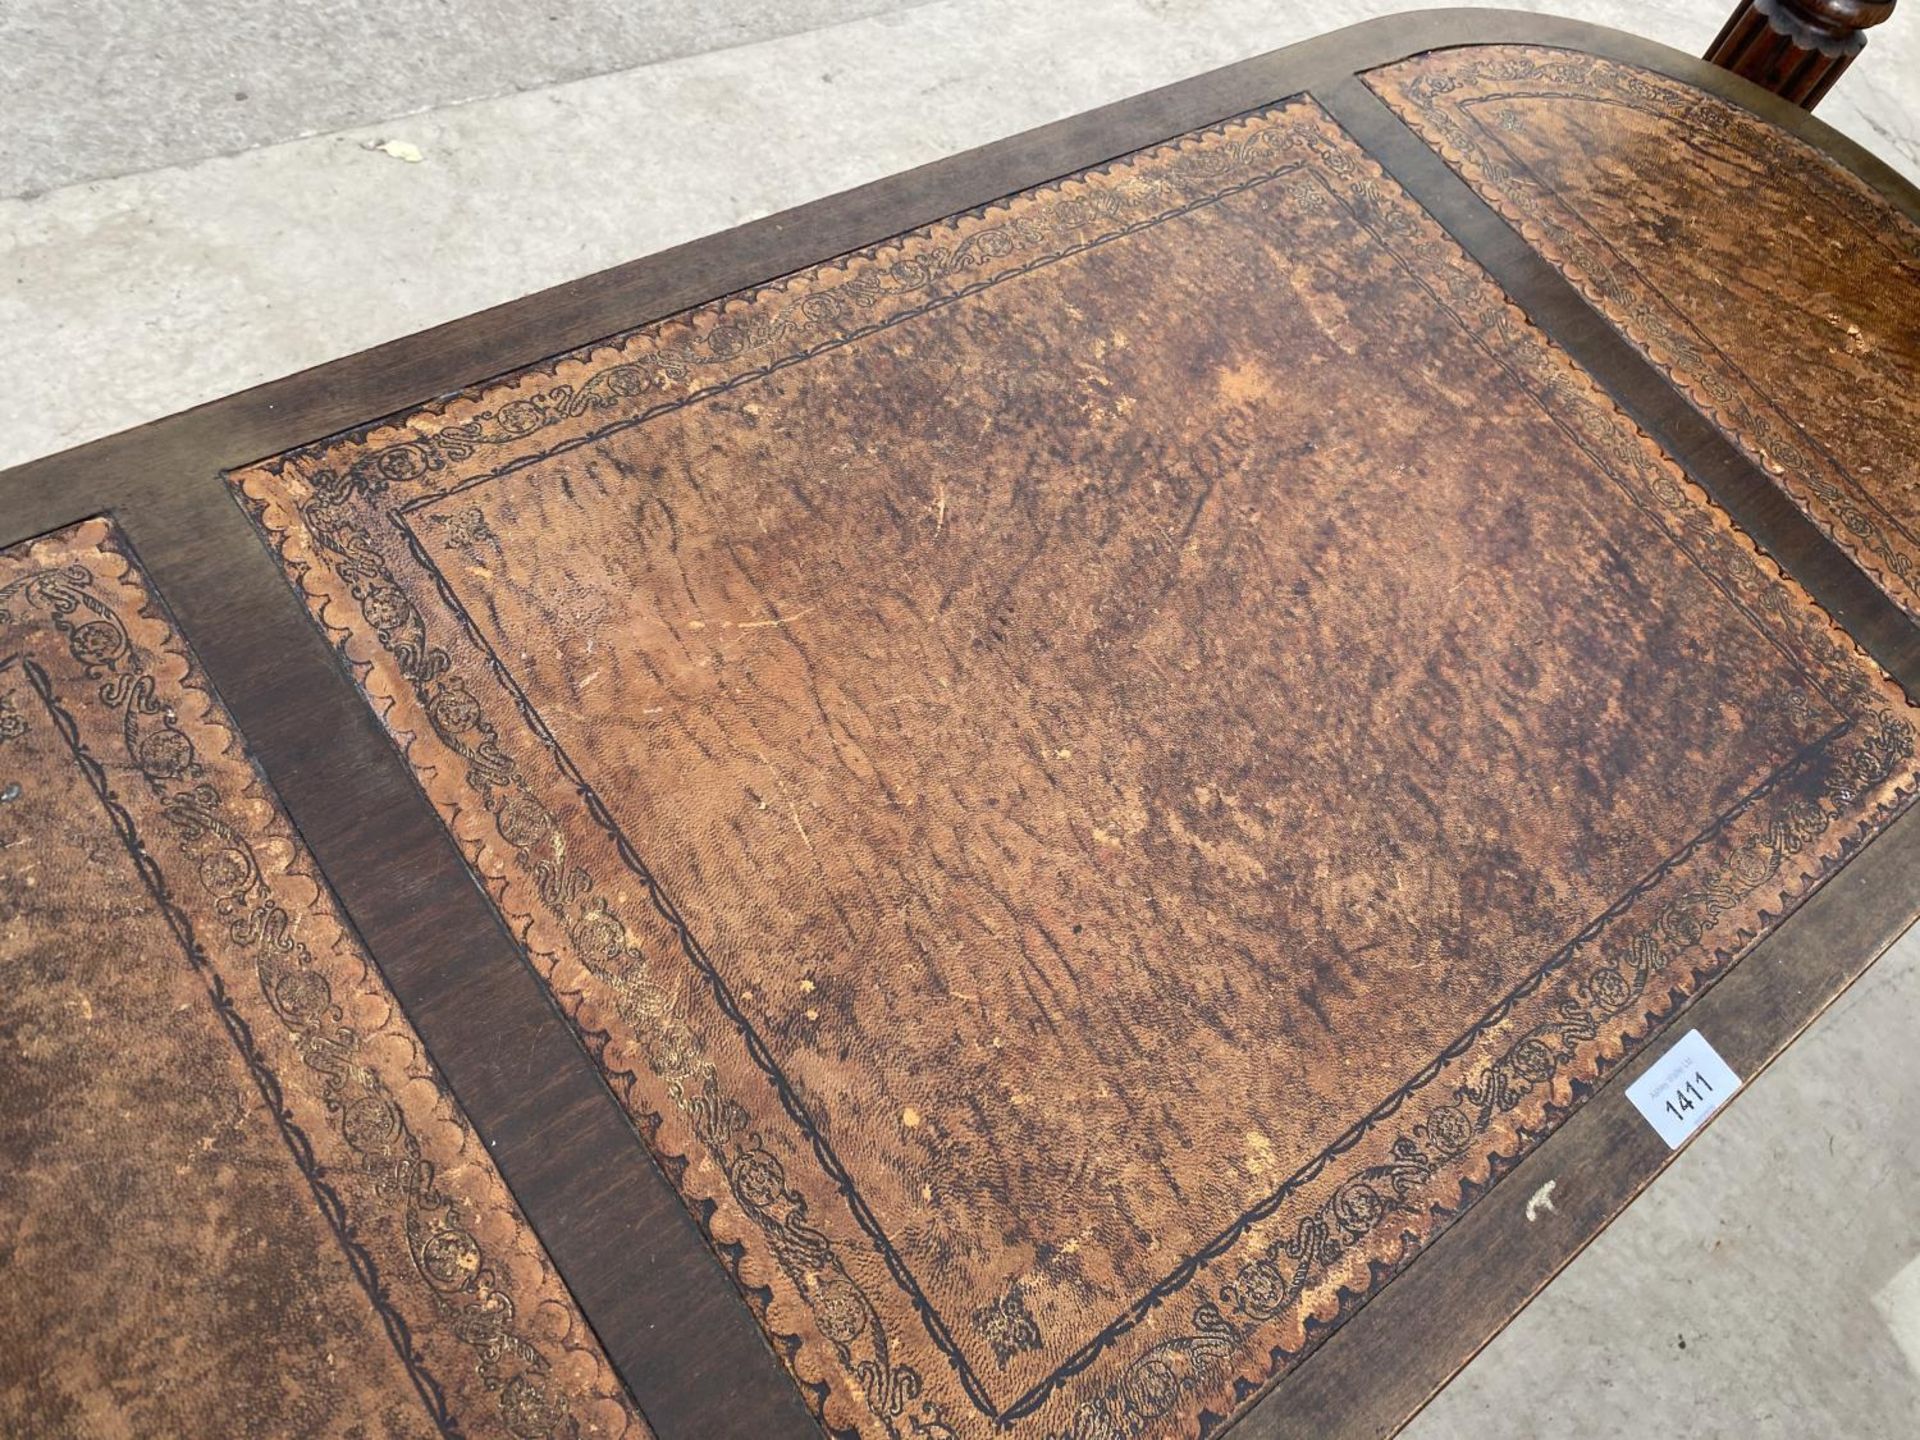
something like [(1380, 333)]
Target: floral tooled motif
[(773, 322), (1273, 1281), (1007, 1325), (1433, 103), (1347, 1206), (466, 1286), (601, 942)]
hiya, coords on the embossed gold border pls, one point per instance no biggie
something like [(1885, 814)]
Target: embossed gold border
[(1431, 92), (613, 950), (492, 1339)]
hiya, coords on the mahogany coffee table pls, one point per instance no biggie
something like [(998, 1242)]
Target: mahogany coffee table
[(1031, 801)]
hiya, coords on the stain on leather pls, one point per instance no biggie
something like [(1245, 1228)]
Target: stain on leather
[(234, 1199), (1091, 770), (1778, 291)]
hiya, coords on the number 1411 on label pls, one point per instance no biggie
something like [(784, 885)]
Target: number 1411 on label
[(1683, 1087), (1690, 1096)]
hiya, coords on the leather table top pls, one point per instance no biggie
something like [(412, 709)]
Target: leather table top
[(232, 1181), (1100, 766), (1087, 777)]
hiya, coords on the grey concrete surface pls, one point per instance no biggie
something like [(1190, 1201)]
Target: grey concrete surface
[(97, 88), (126, 298), (1765, 1285)]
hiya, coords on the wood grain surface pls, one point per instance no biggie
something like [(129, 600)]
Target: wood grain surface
[(1091, 773), (1779, 292), (237, 1200)]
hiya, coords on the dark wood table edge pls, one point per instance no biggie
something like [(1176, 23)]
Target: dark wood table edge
[(1735, 481), (276, 415), (1378, 1370), (617, 1231)]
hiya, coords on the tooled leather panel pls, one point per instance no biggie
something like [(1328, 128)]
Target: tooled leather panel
[(1091, 772), (237, 1198), (1779, 291)]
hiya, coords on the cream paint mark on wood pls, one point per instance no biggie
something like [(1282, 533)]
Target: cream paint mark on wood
[(1541, 1202)]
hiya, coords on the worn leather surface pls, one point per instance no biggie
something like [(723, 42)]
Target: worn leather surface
[(1780, 292), (1089, 772), (234, 1199)]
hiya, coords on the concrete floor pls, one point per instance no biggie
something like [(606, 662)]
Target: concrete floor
[(190, 203)]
